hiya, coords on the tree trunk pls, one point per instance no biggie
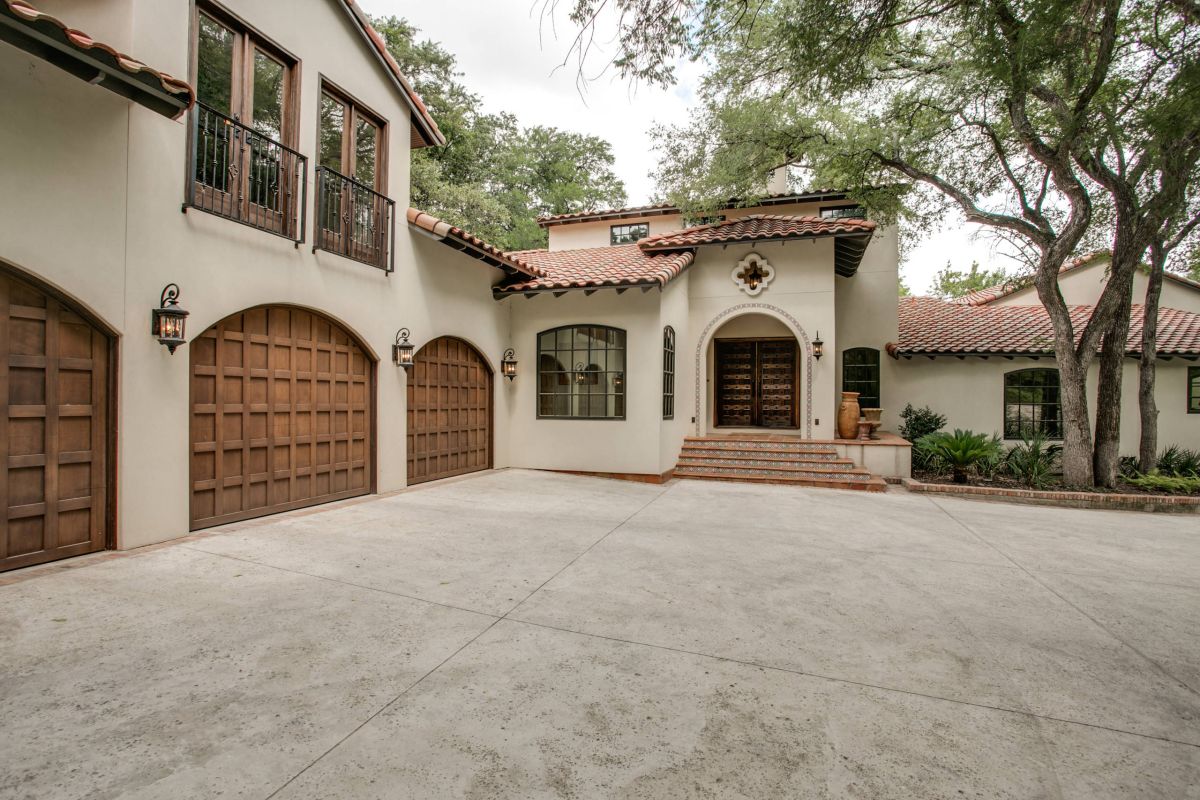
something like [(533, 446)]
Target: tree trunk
[(1106, 453), (1148, 444)]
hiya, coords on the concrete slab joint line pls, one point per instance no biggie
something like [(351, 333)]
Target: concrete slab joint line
[(603, 638)]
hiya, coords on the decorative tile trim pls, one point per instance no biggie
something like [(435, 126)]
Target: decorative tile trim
[(752, 308)]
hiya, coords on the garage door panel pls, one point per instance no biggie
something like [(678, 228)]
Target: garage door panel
[(54, 429), (449, 411), (289, 411)]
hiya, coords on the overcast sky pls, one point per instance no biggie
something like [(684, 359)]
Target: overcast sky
[(509, 55)]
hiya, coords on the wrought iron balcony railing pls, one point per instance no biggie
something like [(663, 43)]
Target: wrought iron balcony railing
[(238, 173), (354, 220)]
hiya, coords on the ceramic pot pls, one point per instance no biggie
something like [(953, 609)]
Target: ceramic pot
[(872, 414), (848, 414)]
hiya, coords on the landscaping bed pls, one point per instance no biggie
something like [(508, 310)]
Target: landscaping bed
[(1116, 499)]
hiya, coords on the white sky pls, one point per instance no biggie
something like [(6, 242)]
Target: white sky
[(509, 58)]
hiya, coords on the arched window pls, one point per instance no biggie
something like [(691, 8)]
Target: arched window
[(581, 373), (860, 373), (1031, 404), (668, 372)]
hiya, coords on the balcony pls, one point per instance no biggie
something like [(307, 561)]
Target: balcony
[(243, 175), (354, 220)]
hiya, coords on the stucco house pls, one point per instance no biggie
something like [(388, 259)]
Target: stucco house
[(250, 166)]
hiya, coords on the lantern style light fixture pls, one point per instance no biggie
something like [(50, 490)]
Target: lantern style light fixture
[(818, 347), (581, 375), (168, 321), (402, 349), (508, 364)]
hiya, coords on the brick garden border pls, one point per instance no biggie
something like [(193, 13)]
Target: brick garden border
[(1177, 504)]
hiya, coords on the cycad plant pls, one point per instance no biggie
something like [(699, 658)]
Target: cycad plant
[(1034, 460), (960, 450), (1176, 460)]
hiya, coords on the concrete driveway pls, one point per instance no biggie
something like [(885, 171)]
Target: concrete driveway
[(525, 635)]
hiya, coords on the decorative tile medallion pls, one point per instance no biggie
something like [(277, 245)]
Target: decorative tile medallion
[(752, 274)]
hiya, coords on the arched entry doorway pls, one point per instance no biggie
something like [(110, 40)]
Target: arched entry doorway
[(56, 440), (756, 374), (282, 404), (449, 411)]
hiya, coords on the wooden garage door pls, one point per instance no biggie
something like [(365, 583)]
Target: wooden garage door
[(54, 447), (449, 411), (281, 415)]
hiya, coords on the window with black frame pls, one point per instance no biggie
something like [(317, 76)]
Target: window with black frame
[(860, 373), (1032, 404), (668, 372), (1193, 396), (843, 212), (581, 373), (628, 234)]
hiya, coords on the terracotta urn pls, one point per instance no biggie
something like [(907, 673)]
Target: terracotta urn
[(872, 415), (848, 414), (864, 430)]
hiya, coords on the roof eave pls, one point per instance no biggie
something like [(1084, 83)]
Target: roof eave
[(47, 40), (501, 292)]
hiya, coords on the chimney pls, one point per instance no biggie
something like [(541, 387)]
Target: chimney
[(777, 182)]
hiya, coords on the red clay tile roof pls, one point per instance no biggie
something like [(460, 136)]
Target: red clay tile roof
[(422, 119), (167, 95), (594, 267), (932, 326), (986, 295), (473, 246), (757, 228), (666, 208)]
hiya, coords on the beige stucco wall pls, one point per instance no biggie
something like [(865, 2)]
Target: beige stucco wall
[(970, 392), (1083, 287), (673, 311), (99, 217)]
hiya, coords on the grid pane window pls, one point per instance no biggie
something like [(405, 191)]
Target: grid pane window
[(628, 234), (860, 373), (1193, 396), (668, 372), (581, 373), (1031, 404), (843, 212)]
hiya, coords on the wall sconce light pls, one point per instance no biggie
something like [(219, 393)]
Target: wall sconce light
[(818, 347), (402, 349), (168, 321), (581, 375), (508, 364), (619, 382)]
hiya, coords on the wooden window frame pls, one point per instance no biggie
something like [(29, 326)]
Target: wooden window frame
[(247, 40), (1193, 390), (354, 109), (624, 373), (876, 380), (1010, 377), (612, 232), (668, 372)]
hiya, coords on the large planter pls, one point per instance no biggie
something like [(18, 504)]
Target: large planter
[(848, 414)]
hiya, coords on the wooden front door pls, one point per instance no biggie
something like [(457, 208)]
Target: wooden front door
[(281, 415), (757, 383), (449, 411), (54, 429)]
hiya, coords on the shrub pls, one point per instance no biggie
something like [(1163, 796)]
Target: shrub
[(1034, 460), (1127, 466), (960, 451), (920, 422), (1167, 484), (1176, 460)]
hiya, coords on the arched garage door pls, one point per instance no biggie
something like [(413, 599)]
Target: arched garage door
[(281, 415), (449, 411), (54, 428)]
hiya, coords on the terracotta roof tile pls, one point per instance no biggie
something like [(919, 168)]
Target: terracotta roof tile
[(594, 267), (986, 295), (474, 246), (27, 13), (929, 325), (757, 228), (660, 208)]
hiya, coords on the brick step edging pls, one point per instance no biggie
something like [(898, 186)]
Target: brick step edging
[(871, 485), (1179, 504)]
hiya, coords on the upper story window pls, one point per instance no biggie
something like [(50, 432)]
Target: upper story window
[(860, 373), (628, 234), (243, 166), (581, 373), (843, 212), (353, 213), (668, 372), (1193, 392), (1031, 404)]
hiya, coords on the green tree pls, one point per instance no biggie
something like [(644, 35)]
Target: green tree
[(494, 177), (950, 283), (1018, 115)]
